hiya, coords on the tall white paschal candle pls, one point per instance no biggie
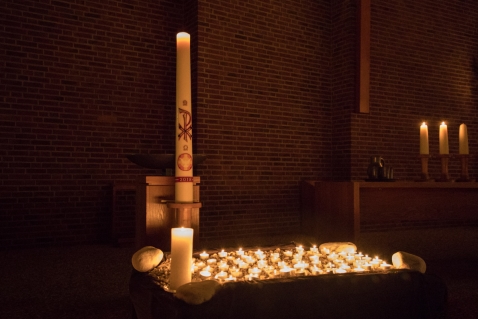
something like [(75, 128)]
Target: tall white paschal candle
[(424, 148), (444, 139), (184, 123), (463, 137), (181, 257)]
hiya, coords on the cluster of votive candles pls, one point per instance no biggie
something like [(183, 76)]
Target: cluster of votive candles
[(443, 139), (257, 264)]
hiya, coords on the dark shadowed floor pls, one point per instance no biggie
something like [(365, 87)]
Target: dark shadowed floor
[(92, 281)]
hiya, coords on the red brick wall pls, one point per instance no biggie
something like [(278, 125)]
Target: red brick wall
[(421, 70), (83, 84), (262, 112)]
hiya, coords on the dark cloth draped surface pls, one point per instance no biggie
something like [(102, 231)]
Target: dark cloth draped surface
[(393, 294)]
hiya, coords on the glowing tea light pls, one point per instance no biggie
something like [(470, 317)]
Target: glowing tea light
[(222, 254), (261, 263), (223, 266), (338, 262), (332, 256), (273, 273), (299, 249), (300, 272), (230, 278), (204, 255), (236, 272), (301, 265), (367, 258), (244, 265), (358, 269), (275, 258), (314, 259), (385, 266), (288, 253), (314, 249), (366, 266), (259, 253), (340, 271), (314, 270), (205, 274), (285, 272), (240, 252), (221, 275), (255, 270), (211, 261), (350, 259), (345, 267), (358, 256)]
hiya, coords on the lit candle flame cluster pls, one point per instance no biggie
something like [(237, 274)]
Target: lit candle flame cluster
[(276, 263)]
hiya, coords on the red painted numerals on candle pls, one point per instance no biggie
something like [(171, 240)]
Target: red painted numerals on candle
[(184, 179)]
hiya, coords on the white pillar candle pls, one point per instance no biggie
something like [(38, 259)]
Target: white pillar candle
[(184, 128), (463, 140), (424, 148), (444, 139), (181, 252)]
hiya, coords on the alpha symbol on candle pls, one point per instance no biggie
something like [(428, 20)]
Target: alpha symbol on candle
[(186, 129)]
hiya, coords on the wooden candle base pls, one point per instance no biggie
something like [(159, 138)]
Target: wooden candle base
[(464, 177), (424, 177), (445, 158)]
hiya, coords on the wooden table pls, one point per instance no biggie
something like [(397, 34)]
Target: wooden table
[(339, 211)]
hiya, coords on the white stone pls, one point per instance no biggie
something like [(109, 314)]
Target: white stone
[(403, 260), (147, 258), (195, 293), (338, 247)]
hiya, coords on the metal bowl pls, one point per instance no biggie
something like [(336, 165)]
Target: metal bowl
[(161, 161)]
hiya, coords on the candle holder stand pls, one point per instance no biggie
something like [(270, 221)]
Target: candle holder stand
[(445, 159), (425, 177), (465, 176), (183, 213)]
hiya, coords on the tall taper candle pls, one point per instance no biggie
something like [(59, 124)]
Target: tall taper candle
[(424, 148), (463, 137), (181, 257), (444, 139), (184, 123)]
